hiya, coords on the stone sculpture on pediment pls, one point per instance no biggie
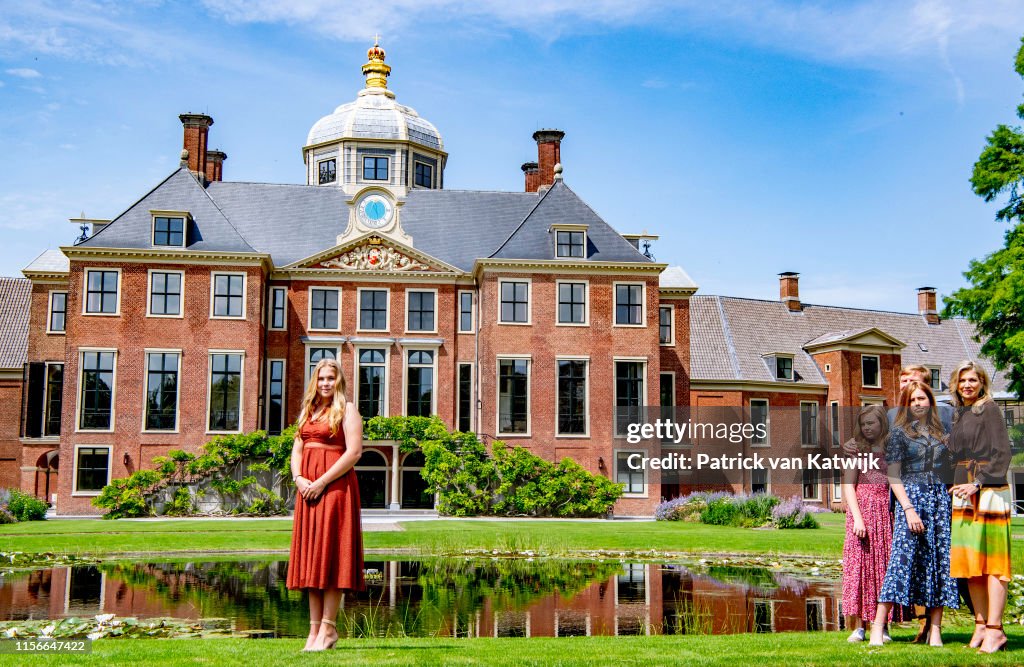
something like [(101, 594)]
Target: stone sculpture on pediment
[(374, 257)]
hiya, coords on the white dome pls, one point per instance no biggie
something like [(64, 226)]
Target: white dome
[(375, 115)]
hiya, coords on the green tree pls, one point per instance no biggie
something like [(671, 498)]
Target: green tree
[(994, 301)]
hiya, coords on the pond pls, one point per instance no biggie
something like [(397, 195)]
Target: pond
[(450, 597)]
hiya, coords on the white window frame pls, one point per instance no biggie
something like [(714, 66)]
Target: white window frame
[(586, 302), (270, 311), (817, 425), (85, 292), (309, 308), (209, 391), (145, 391), (81, 387), (643, 304), (49, 312), (817, 486), (472, 394), (149, 294), (615, 391), (878, 362), (437, 310), (586, 396), (386, 349), (434, 350), (529, 301), (472, 312), (773, 366), (768, 422), (837, 487), (835, 426), (529, 394), (672, 324), (75, 493), (771, 610), (309, 345), (184, 215), (387, 309), (570, 228), (284, 395), (245, 292), (46, 396), (936, 372), (644, 470)]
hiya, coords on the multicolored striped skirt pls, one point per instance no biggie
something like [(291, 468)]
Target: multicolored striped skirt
[(981, 534)]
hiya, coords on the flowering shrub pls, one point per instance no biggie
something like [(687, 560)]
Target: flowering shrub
[(793, 513), (719, 508), (16, 506)]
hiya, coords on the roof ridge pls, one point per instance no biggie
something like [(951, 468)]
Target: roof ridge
[(130, 207), (818, 305), (599, 217), (727, 333), (523, 222)]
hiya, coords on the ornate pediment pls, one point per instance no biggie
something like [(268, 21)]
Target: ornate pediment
[(374, 255)]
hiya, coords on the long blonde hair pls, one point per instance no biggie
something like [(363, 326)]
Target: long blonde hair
[(984, 394), (904, 416), (311, 398), (858, 437)]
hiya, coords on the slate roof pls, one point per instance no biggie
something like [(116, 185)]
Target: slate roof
[(15, 295), (729, 335), (50, 261), (292, 222)]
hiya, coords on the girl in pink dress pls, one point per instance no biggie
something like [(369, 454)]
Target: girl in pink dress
[(868, 524)]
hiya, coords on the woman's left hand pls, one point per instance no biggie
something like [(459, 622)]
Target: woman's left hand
[(964, 490), (313, 490)]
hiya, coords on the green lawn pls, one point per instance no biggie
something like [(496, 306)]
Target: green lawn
[(784, 648)]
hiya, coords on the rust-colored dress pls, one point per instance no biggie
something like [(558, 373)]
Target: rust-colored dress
[(327, 538)]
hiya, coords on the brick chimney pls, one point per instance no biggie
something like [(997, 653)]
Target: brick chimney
[(549, 153), (789, 290), (197, 130), (926, 304), (532, 174), (215, 165)]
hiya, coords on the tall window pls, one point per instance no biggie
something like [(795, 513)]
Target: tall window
[(629, 394), (513, 395), (419, 383), (465, 312), (373, 309), (936, 382), (165, 293), (54, 398), (375, 168), (572, 397), (92, 465), (759, 480), (569, 244), (101, 291), (58, 312), (424, 175), (278, 301), (318, 353), (323, 313), (808, 423), (631, 479), (665, 314), (572, 303), (515, 301), (465, 397), (759, 417), (328, 171), (161, 391), (421, 311), (869, 370), (783, 368), (629, 304), (834, 418), (275, 396), (228, 298), (811, 486), (372, 384), (168, 231), (225, 392), (97, 390)]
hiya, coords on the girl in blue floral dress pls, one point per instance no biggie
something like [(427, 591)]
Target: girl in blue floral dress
[(918, 460)]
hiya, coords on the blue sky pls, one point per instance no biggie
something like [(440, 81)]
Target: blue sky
[(831, 138)]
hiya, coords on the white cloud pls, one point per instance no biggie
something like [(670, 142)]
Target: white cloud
[(24, 73)]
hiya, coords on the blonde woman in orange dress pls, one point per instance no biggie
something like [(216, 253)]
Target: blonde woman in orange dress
[(327, 544)]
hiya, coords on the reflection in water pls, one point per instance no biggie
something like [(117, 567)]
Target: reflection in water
[(454, 597)]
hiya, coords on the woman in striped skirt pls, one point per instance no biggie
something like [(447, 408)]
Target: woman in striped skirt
[(980, 551)]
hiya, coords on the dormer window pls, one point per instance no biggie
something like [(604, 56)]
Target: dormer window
[(328, 171), (424, 175), (780, 365), (570, 241), (375, 168), (169, 228)]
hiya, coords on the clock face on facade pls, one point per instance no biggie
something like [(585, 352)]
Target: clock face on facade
[(375, 211)]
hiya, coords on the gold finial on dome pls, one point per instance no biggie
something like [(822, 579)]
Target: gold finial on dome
[(375, 71)]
